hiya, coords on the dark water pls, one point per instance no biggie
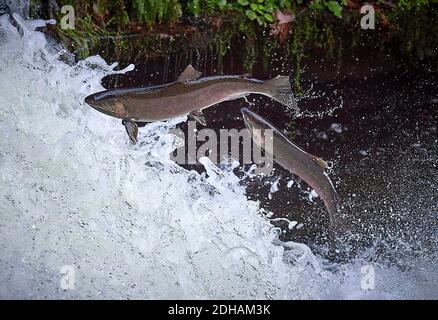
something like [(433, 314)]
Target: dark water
[(374, 117)]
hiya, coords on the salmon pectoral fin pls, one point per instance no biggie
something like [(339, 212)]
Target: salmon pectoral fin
[(131, 130), (198, 115), (189, 74)]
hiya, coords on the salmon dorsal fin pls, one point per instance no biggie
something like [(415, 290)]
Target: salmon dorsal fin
[(320, 162), (189, 74)]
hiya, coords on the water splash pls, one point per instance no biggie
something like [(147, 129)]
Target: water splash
[(15, 6), (312, 94)]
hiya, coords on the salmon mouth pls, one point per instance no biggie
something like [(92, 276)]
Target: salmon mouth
[(90, 100), (110, 107), (105, 111)]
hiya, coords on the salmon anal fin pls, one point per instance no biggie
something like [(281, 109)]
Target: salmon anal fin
[(198, 115), (131, 130), (189, 74)]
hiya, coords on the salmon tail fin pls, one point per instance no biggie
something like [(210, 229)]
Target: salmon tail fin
[(280, 90)]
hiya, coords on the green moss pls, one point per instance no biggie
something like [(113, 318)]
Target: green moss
[(109, 27)]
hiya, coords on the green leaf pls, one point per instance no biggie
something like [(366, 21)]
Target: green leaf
[(251, 14), (125, 18), (253, 6), (269, 8), (287, 3), (334, 7), (243, 2), (268, 17), (261, 21), (316, 5), (260, 9), (222, 3)]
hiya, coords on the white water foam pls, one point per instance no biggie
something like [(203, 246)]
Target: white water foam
[(129, 222)]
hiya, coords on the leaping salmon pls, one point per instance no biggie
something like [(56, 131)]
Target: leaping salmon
[(188, 95), (306, 166)]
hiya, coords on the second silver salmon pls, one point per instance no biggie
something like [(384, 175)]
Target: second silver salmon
[(306, 166)]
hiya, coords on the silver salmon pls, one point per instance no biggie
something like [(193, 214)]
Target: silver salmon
[(309, 168), (188, 95)]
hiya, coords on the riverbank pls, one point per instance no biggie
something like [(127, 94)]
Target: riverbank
[(225, 30)]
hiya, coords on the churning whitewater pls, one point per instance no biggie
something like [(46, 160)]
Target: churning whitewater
[(125, 221)]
